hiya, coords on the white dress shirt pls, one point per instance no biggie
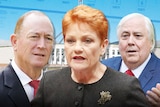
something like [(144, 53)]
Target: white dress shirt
[(137, 72), (25, 79)]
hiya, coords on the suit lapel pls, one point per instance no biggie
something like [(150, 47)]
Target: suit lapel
[(117, 63), (148, 71), (16, 93)]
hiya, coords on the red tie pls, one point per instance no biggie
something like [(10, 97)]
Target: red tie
[(129, 72), (34, 84)]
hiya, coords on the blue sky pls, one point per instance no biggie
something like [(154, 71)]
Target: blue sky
[(11, 10)]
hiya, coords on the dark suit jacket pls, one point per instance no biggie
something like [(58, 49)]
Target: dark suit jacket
[(12, 93), (150, 75), (57, 89)]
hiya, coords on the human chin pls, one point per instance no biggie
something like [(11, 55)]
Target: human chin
[(39, 63), (78, 66), (132, 59)]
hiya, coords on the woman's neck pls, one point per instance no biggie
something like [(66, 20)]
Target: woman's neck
[(88, 76)]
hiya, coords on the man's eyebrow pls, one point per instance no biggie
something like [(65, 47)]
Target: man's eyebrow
[(125, 32)]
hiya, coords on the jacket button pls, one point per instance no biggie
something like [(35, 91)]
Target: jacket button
[(76, 103), (79, 88)]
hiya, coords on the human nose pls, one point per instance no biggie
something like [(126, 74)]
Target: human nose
[(131, 40), (78, 47), (41, 43)]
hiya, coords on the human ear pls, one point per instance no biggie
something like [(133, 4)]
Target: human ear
[(104, 46), (13, 40)]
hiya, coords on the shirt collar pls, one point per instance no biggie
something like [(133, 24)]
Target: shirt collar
[(136, 71), (24, 78)]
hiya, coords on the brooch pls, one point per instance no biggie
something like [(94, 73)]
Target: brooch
[(105, 96)]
